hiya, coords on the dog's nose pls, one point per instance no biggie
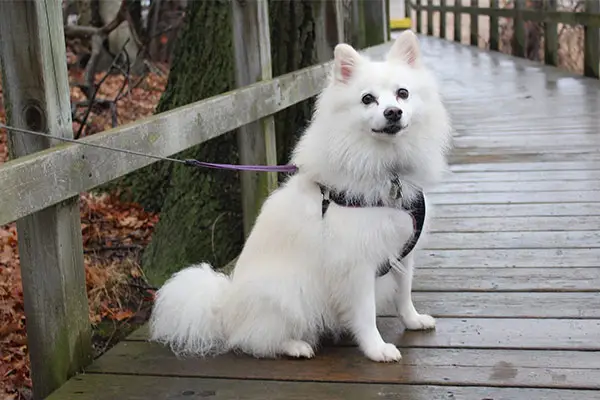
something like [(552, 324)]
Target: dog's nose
[(392, 114)]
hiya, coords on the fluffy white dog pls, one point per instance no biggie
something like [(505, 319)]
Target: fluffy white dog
[(314, 260)]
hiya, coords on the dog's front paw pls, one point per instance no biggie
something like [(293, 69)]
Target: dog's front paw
[(419, 322), (385, 352), (298, 349)]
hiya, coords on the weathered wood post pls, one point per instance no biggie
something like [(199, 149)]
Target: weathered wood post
[(550, 36), (591, 43), (36, 91), (256, 141)]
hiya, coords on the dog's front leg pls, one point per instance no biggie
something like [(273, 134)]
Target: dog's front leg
[(362, 319), (409, 316)]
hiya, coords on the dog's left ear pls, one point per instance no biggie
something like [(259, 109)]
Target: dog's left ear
[(406, 49), (345, 60)]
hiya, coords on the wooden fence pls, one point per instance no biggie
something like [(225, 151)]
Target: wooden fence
[(549, 16), (40, 186)]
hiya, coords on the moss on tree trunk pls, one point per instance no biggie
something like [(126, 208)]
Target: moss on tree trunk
[(201, 212)]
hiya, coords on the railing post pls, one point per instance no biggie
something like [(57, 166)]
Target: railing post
[(430, 17), (457, 21), (591, 43), (256, 141), (475, 25), (36, 90), (550, 36), (443, 28), (518, 40), (494, 33), (419, 16)]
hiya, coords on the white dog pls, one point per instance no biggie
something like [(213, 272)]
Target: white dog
[(378, 137)]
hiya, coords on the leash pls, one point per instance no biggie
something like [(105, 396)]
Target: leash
[(289, 168)]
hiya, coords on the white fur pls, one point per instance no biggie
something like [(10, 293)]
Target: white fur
[(301, 275)]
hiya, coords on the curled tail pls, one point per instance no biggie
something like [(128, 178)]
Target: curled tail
[(187, 312)]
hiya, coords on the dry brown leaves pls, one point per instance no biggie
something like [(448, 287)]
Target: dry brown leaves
[(113, 235)]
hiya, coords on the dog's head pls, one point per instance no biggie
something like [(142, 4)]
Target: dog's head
[(381, 98)]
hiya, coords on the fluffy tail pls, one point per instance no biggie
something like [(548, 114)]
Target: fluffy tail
[(186, 314)]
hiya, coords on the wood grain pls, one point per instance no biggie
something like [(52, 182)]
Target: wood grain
[(515, 224), (546, 369), (513, 240), (509, 258), (95, 387), (36, 94), (508, 279)]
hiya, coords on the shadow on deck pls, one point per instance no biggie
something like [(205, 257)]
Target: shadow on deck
[(510, 269)]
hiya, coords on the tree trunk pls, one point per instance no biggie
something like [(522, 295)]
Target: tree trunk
[(201, 209), (201, 216)]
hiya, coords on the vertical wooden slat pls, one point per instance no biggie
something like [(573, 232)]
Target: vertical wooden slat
[(494, 32), (457, 21), (256, 141), (429, 17), (36, 90), (443, 28), (475, 25), (550, 36), (419, 16), (375, 22), (518, 40), (591, 43)]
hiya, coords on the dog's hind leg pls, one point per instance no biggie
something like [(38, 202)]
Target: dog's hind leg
[(409, 316)]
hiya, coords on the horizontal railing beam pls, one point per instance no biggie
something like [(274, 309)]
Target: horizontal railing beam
[(37, 181)]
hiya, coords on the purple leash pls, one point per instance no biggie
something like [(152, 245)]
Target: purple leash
[(289, 168)]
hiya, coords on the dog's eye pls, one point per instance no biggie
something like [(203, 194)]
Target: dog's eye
[(368, 99), (402, 93)]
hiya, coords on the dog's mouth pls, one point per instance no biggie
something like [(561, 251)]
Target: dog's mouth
[(391, 129)]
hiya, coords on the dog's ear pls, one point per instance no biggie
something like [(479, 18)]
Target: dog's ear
[(406, 49), (345, 60)]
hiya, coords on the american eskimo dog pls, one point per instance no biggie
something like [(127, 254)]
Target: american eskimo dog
[(325, 253)]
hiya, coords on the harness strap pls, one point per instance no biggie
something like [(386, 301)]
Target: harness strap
[(416, 210)]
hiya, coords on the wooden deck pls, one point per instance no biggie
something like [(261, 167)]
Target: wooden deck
[(511, 268)]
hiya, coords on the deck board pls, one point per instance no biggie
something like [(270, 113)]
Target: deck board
[(511, 267)]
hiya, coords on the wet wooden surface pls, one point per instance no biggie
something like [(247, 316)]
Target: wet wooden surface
[(510, 269)]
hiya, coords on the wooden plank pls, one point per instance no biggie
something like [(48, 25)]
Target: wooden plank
[(527, 166), (591, 43), (509, 176), (544, 279), (109, 387), (479, 333), (513, 224), (550, 36), (583, 196), (515, 210), (509, 258), (36, 92), (76, 169), (513, 240), (256, 141), (509, 305), (519, 186), (419, 17), (445, 366), (474, 34), (548, 141)]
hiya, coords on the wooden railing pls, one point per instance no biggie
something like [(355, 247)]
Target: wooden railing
[(39, 187), (519, 13)]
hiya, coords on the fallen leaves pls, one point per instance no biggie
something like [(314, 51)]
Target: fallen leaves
[(114, 233)]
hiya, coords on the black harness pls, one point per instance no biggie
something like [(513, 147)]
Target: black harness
[(416, 209)]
